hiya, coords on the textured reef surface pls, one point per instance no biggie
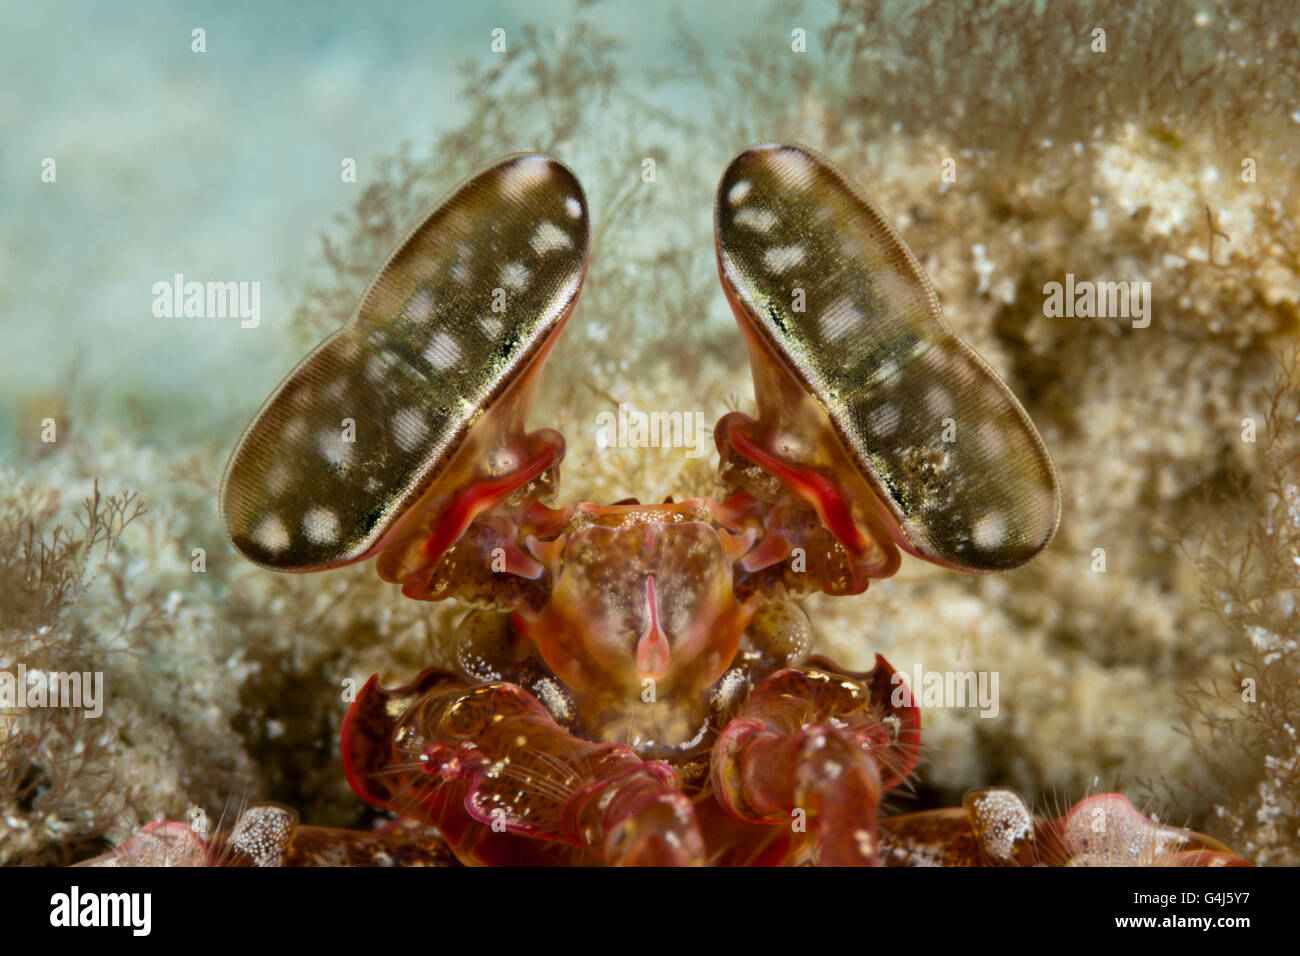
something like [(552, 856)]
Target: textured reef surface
[(1150, 650)]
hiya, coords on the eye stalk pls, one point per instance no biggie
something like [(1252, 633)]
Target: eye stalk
[(869, 406)]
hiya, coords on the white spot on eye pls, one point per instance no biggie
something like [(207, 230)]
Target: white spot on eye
[(409, 429), (277, 479), (376, 369), (760, 220), (992, 439), (515, 275), (525, 173), (419, 306), (349, 350), (794, 168), (883, 420), (461, 271), (919, 349), (781, 258), (335, 390), (839, 317), (938, 402), (270, 534), (373, 484), (738, 192), (989, 532), (320, 525), (548, 238), (886, 373), (295, 429), (443, 352), (574, 207), (332, 446), (491, 327)]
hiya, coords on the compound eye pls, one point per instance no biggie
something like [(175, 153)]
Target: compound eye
[(442, 347), (833, 300)]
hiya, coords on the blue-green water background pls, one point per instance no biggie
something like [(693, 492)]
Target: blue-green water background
[(225, 166)]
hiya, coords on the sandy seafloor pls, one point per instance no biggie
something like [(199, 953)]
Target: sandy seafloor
[(221, 687)]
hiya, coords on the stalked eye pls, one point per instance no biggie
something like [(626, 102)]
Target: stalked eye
[(836, 307), (443, 343)]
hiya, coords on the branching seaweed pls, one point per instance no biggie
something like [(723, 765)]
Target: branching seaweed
[(54, 790), (1246, 730)]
